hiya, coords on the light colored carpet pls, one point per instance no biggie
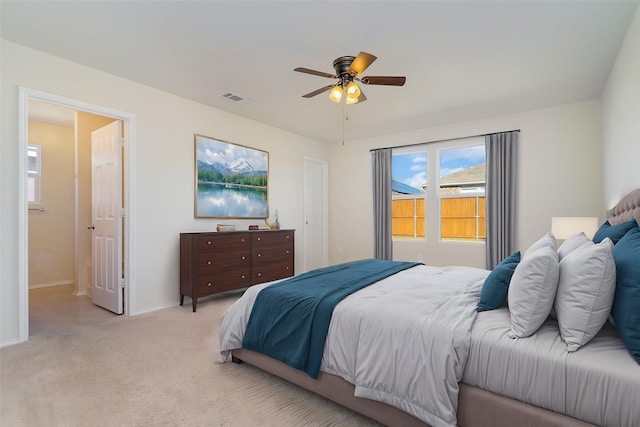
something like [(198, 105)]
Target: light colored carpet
[(84, 366)]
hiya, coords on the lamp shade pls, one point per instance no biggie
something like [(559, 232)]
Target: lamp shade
[(336, 93), (353, 90), (566, 226)]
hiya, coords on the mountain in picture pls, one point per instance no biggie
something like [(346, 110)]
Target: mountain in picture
[(239, 171)]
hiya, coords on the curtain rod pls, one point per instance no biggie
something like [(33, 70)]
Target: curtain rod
[(443, 140)]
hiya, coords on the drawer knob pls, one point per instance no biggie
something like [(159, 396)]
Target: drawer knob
[(259, 255), (287, 267), (287, 251), (259, 274), (243, 276), (243, 240), (209, 284), (209, 262), (288, 236), (209, 242), (244, 257), (258, 238)]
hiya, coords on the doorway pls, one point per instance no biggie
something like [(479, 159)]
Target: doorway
[(26, 97)]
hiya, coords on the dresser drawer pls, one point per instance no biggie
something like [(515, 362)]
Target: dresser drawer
[(271, 271), (270, 255), (272, 239), (223, 281), (223, 241), (211, 261)]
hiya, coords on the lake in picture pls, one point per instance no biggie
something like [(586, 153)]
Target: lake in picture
[(223, 200)]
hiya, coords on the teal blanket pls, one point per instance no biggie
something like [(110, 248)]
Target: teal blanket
[(290, 319)]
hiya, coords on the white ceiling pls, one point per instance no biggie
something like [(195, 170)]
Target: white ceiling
[(463, 59)]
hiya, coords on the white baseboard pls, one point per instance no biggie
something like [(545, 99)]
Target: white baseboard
[(50, 284), (10, 342)]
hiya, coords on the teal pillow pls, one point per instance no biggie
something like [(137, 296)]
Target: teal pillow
[(614, 232), (626, 303), (496, 285)]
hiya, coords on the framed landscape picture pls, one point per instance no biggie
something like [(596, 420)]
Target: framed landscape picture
[(232, 181)]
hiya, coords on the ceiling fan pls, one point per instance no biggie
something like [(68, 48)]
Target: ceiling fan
[(347, 70)]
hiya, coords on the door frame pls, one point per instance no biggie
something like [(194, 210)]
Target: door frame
[(26, 94), (325, 209)]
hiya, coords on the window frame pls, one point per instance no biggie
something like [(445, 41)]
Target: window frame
[(36, 175), (432, 197), (451, 145)]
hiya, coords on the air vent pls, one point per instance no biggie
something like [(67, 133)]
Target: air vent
[(234, 97)]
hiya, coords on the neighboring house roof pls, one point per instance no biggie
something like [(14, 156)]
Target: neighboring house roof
[(471, 176), (399, 187)]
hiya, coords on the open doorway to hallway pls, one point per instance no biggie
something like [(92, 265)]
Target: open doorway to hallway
[(125, 189), (57, 139)]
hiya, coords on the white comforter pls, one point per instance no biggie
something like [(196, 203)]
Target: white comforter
[(403, 341)]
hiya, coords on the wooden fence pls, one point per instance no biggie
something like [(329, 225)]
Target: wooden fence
[(462, 218)]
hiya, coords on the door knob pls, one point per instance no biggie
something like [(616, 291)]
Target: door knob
[(91, 227)]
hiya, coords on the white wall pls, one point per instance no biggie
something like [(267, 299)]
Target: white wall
[(164, 169), (621, 119), (559, 174)]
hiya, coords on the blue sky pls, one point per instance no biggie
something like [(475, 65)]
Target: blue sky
[(411, 169)]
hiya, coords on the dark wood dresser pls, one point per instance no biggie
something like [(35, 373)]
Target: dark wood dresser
[(214, 262)]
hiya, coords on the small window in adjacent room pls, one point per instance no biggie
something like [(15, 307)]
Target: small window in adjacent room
[(34, 161)]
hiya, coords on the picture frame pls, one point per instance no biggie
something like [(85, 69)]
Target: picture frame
[(231, 180)]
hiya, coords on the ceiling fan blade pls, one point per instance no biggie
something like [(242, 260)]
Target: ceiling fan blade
[(318, 92), (362, 61), (384, 80), (315, 73)]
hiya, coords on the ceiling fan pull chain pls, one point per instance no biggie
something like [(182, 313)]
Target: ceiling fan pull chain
[(344, 116)]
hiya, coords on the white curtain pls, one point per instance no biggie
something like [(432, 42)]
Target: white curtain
[(501, 195), (381, 168)]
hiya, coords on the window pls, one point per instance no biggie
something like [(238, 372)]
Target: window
[(454, 208), (34, 161), (408, 186), (462, 183)]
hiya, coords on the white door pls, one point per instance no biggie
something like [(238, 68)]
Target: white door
[(316, 180), (106, 189)]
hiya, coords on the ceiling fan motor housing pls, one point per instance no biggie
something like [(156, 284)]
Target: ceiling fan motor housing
[(341, 65)]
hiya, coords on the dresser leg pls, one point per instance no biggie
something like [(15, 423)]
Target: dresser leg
[(195, 301), (181, 299)]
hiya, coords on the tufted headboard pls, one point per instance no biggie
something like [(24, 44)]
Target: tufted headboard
[(628, 207)]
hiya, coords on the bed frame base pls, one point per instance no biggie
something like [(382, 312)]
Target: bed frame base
[(476, 407)]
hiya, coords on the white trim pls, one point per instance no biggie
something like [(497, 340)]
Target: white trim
[(128, 119), (76, 201), (52, 284), (9, 343), (23, 206)]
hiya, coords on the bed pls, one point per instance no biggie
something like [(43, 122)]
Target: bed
[(466, 369)]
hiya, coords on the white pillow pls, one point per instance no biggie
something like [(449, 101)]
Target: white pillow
[(572, 243), (546, 240), (585, 292), (532, 290)]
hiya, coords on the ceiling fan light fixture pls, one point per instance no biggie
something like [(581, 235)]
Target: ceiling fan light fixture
[(353, 90), (336, 93), (351, 99)]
